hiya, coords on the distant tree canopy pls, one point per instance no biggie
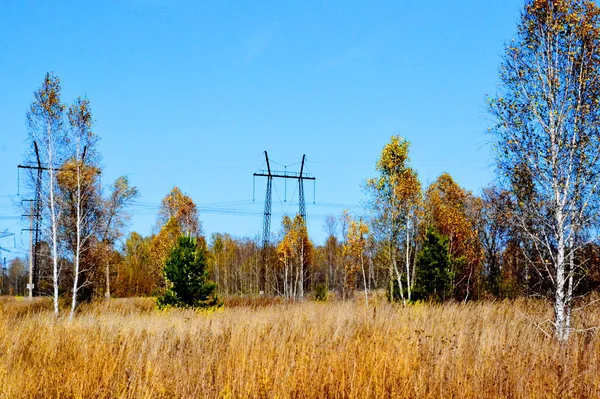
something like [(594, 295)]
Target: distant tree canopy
[(180, 207)]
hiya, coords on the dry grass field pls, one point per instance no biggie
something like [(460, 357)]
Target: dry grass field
[(127, 349)]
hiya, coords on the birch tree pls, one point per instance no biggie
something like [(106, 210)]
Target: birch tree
[(45, 129), (176, 205), (177, 216), (547, 118), (354, 251), (295, 252), (80, 198), (114, 219), (395, 199), (331, 251)]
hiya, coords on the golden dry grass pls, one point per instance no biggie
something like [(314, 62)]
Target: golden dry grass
[(126, 349)]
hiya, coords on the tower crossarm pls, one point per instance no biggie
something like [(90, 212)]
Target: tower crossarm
[(285, 175)]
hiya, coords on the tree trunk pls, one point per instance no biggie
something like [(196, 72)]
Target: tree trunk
[(408, 277), (77, 246), (54, 228), (107, 275), (562, 328), (362, 266), (398, 277), (301, 279)]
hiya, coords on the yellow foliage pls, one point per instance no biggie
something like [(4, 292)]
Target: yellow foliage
[(353, 250), (76, 172), (452, 211)]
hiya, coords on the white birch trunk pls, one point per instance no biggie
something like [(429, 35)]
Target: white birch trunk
[(301, 279), (77, 254), (397, 272), (107, 275), (570, 279), (407, 263), (53, 220), (362, 266)]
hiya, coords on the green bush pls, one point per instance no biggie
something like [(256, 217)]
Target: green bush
[(321, 292)]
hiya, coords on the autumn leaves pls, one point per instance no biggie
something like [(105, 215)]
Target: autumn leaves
[(402, 214)]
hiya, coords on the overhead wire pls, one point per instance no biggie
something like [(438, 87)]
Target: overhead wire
[(242, 207), (293, 195), (279, 197)]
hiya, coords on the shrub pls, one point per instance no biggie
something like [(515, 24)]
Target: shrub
[(321, 292)]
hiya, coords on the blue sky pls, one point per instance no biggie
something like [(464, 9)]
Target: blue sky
[(190, 93)]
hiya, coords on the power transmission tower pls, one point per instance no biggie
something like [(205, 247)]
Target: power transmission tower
[(4, 234), (32, 245), (35, 215), (3, 269), (266, 231), (35, 220)]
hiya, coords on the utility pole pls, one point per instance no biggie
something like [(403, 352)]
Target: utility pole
[(266, 231)]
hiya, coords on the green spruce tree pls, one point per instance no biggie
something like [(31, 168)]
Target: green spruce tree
[(186, 269), (434, 275)]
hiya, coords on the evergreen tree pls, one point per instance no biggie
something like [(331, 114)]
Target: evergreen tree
[(434, 275), (186, 269)]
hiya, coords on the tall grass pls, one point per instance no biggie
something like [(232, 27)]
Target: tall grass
[(126, 349)]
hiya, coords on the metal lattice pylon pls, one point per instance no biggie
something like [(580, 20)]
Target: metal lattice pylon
[(266, 231)]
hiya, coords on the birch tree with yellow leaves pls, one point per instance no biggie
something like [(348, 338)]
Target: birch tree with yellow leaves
[(45, 127), (295, 253), (354, 253), (395, 200), (180, 207), (81, 200)]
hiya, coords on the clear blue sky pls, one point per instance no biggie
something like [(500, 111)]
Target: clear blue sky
[(190, 93)]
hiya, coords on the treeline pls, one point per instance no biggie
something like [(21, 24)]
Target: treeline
[(14, 278), (440, 243)]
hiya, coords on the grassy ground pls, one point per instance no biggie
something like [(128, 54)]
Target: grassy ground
[(126, 349)]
